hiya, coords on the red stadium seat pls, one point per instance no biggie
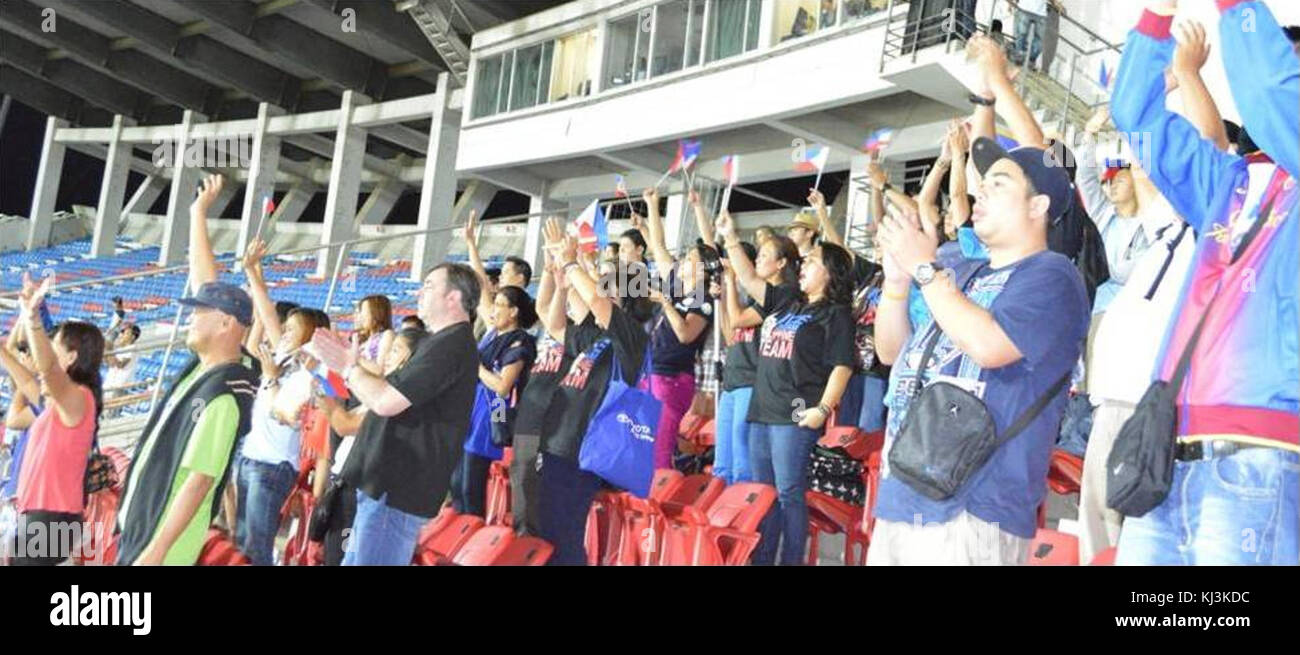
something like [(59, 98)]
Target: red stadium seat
[(1104, 558), (1052, 548), (1066, 472), (834, 516), (724, 535), (643, 518), (697, 490), (296, 516), (442, 545), (220, 550), (484, 547), (98, 547), (526, 551), (604, 528), (498, 490)]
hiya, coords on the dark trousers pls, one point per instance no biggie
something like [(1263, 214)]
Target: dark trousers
[(51, 538), (469, 485), (567, 492), (525, 485), (340, 528)]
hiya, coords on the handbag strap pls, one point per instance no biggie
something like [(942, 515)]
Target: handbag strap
[(1026, 417)]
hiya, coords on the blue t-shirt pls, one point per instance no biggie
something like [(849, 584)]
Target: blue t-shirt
[(949, 255), (1041, 305), (669, 356)]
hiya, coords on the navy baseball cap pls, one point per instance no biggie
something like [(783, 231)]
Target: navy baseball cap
[(223, 297), (1044, 169)]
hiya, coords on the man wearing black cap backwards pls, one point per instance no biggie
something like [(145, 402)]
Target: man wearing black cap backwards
[(180, 464), (1011, 329)]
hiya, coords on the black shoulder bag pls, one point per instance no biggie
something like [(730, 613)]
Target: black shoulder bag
[(1140, 468), (949, 433)]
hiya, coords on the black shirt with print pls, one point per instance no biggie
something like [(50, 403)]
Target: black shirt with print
[(582, 388), (800, 344), (539, 405), (742, 357), (671, 356), (410, 456)]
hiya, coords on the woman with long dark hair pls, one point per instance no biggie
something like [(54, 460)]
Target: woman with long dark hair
[(777, 264), (51, 485), (805, 361), (374, 328), (681, 329), (505, 356), (606, 331)]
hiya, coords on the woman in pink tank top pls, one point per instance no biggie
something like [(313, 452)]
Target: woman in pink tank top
[(52, 481)]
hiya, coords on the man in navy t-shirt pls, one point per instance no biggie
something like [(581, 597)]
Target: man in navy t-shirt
[(1012, 328)]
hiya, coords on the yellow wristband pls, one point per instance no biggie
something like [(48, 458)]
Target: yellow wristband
[(894, 296)]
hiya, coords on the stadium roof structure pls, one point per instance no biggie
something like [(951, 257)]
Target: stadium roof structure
[(150, 60)]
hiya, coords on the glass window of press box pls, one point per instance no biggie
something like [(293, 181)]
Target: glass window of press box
[(792, 19), (672, 36), (535, 74)]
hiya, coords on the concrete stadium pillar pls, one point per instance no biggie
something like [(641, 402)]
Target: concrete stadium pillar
[(540, 207), (112, 191), (438, 187), (291, 206), (382, 198), (261, 175), (47, 186), (345, 183), (185, 181), (145, 195)]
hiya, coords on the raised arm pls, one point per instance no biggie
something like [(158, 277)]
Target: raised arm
[(64, 394), (686, 328), (748, 278), (829, 233), (1189, 58), (1267, 87), (992, 61), (565, 251), (476, 262), (25, 383), (658, 249), (546, 287), (928, 200), (1188, 171), (958, 147), (702, 221), (880, 183), (1088, 178), (262, 303), (203, 262)]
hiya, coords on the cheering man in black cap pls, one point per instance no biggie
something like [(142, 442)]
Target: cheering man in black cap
[(180, 464), (1007, 330)]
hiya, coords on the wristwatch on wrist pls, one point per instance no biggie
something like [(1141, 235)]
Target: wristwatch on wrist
[(976, 99), (925, 273)]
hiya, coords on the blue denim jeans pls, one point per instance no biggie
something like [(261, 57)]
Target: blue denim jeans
[(1235, 509), (381, 535), (1024, 20), (872, 416), (567, 492), (261, 490), (731, 443), (778, 455)]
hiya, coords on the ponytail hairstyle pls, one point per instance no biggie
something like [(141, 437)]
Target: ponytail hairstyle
[(520, 300)]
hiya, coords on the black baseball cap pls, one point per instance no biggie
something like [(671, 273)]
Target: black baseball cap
[(1044, 169), (223, 297)]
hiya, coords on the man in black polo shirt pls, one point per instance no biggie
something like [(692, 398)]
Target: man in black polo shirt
[(410, 440)]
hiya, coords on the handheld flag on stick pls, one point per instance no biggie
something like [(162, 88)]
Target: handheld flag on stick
[(687, 152), (1105, 77), (879, 140), (591, 228), (268, 210), (730, 172), (815, 158), (620, 191)]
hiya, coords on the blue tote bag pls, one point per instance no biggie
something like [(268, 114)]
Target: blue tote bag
[(479, 439), (620, 441)]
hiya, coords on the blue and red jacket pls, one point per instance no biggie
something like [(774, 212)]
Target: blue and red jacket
[(1245, 370)]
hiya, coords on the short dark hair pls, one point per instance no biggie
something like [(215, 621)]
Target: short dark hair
[(134, 330), (462, 278), (635, 237), (411, 321), (519, 299), (523, 267)]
